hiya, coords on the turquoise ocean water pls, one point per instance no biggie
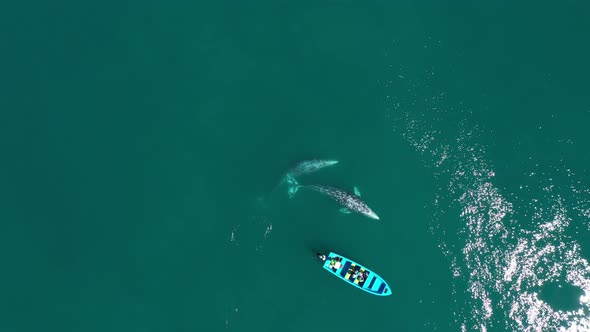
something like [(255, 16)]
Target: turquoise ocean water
[(141, 142)]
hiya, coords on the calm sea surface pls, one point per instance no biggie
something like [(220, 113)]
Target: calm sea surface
[(142, 143)]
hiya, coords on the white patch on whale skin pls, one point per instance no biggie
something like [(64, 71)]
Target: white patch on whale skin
[(347, 200)]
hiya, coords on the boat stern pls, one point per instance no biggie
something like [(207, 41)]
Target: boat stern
[(386, 291)]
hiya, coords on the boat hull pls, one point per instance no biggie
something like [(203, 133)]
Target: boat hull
[(356, 275)]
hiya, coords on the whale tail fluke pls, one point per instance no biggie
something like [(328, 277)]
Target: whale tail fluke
[(293, 185)]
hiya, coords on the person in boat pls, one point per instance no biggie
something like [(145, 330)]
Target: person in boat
[(351, 270), (363, 276), (335, 263)]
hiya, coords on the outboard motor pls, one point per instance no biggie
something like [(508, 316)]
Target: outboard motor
[(321, 256)]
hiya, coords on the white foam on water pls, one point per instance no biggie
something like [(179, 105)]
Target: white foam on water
[(252, 233), (234, 234), (258, 222), (508, 249), (267, 231), (230, 315)]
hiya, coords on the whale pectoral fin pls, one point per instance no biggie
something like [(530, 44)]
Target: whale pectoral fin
[(290, 179), (292, 191), (293, 185), (345, 211), (357, 192)]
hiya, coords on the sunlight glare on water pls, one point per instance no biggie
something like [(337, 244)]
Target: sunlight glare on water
[(499, 260)]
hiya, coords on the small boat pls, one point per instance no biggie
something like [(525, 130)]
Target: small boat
[(355, 274)]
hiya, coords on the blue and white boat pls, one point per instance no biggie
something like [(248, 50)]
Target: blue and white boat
[(355, 274)]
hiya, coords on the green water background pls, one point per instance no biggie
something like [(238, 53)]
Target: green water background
[(137, 136)]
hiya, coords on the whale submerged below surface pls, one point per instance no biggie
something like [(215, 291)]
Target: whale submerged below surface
[(310, 166), (351, 202)]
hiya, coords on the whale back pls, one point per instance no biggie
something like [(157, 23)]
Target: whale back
[(344, 198), (338, 195), (310, 166)]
